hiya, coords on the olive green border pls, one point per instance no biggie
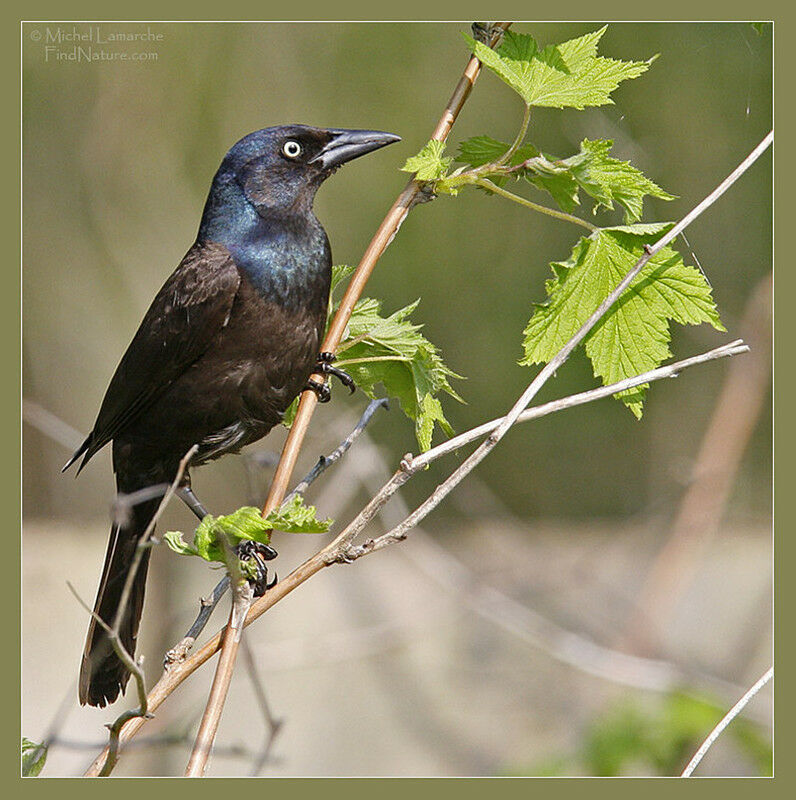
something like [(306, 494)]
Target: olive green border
[(340, 9)]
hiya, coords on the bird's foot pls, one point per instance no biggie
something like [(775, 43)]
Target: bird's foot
[(321, 389), (324, 366), (259, 553)]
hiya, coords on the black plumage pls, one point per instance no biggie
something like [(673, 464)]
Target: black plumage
[(228, 342)]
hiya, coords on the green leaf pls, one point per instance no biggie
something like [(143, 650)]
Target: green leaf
[(34, 756), (480, 150), (174, 541), (430, 413), (758, 27), (570, 74), (295, 517), (606, 179), (634, 335), (246, 523), (429, 164), (339, 273), (392, 352)]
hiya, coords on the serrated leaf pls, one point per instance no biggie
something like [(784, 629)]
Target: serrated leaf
[(570, 74), (174, 541), (246, 523), (296, 517), (392, 352), (339, 273), (429, 164), (34, 757), (604, 178), (480, 150), (634, 335), (642, 228), (607, 179), (430, 413)]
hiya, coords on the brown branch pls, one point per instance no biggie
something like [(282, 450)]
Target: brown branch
[(382, 238), (384, 235)]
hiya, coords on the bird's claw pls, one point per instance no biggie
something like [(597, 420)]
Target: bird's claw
[(259, 553), (321, 389), (324, 366)]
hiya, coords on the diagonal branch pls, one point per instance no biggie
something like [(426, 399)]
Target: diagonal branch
[(726, 720), (384, 235)]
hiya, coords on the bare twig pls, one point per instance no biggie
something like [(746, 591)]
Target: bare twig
[(339, 550), (666, 371), (726, 720), (324, 462), (242, 596), (206, 607), (382, 238), (342, 549)]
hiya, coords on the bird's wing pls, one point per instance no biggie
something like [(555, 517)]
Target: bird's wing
[(186, 314)]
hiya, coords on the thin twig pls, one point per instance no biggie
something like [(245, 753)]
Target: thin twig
[(726, 720), (666, 371), (382, 238), (324, 462), (339, 552), (242, 597), (207, 605), (341, 548)]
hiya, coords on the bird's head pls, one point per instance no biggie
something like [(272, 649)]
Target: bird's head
[(282, 167)]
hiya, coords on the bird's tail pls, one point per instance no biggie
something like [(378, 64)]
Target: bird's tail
[(102, 673)]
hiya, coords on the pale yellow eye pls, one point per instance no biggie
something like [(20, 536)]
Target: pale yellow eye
[(291, 149)]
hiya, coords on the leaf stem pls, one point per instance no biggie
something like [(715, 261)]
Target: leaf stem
[(519, 139), (491, 187)]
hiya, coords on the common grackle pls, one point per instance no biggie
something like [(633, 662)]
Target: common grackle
[(228, 342)]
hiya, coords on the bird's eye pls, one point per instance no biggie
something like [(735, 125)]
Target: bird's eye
[(291, 149)]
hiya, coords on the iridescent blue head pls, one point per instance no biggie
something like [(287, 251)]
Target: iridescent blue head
[(276, 171)]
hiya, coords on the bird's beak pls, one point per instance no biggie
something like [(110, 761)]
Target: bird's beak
[(347, 145)]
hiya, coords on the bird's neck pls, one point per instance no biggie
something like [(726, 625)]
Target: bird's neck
[(284, 252)]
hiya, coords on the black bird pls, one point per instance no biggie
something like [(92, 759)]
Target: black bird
[(228, 342)]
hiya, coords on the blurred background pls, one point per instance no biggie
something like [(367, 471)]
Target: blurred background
[(595, 596)]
